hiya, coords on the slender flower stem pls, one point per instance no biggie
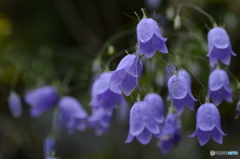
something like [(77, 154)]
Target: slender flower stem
[(14, 79), (211, 19)]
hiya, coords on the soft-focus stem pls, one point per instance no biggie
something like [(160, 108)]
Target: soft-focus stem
[(14, 79), (211, 19)]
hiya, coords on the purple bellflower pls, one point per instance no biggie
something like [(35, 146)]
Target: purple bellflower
[(49, 147), (73, 114), (15, 104), (99, 120), (186, 75), (156, 104), (105, 96), (219, 46), (41, 100), (208, 124), (150, 38), (171, 133), (146, 118), (219, 87), (180, 92), (127, 74)]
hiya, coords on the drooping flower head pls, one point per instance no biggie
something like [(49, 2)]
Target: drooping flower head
[(49, 147), (156, 104), (150, 38), (127, 74), (171, 133), (100, 120), (146, 118), (208, 124), (219, 46), (219, 87), (15, 104), (73, 114), (180, 93), (41, 99), (105, 96)]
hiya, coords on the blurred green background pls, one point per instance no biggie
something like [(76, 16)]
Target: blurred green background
[(55, 42)]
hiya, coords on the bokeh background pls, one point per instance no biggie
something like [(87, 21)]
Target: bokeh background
[(57, 42)]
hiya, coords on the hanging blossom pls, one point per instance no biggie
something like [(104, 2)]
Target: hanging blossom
[(208, 124), (219, 46), (73, 114), (150, 38), (171, 133), (180, 93), (105, 96), (15, 104), (127, 74), (219, 87), (146, 118), (49, 147), (100, 120), (41, 100)]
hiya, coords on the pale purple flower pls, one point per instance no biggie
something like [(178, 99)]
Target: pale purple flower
[(15, 104), (150, 38), (180, 93), (219, 46), (219, 87), (100, 120), (41, 99), (105, 96), (73, 114), (171, 133), (208, 124), (146, 118), (156, 104), (127, 74), (49, 146), (186, 75)]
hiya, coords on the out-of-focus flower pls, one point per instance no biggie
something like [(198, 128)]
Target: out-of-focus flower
[(153, 4), (104, 95), (49, 147), (208, 124), (150, 38), (73, 114), (180, 93), (238, 108), (100, 120), (15, 104), (171, 133), (41, 99), (177, 22), (219, 46), (219, 87), (127, 74), (146, 118)]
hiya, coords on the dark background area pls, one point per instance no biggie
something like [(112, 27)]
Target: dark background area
[(51, 41)]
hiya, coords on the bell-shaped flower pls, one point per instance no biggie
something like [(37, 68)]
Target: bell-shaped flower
[(73, 114), (171, 133), (219, 87), (156, 104), (15, 104), (49, 147), (105, 96), (219, 46), (146, 118), (99, 120), (208, 124), (180, 93), (150, 38), (127, 74), (41, 99)]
